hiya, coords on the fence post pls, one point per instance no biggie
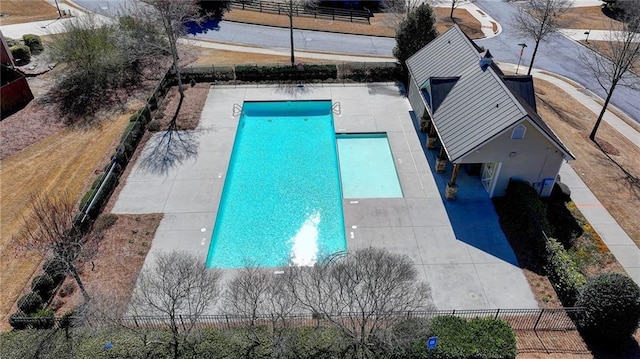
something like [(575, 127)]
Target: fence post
[(227, 318), (135, 321), (497, 312), (535, 326)]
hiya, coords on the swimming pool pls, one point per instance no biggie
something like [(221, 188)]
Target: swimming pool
[(281, 201), (367, 167)]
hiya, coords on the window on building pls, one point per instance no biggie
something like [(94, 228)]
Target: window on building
[(518, 132)]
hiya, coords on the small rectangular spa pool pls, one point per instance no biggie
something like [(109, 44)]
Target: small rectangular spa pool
[(367, 168), (281, 201)]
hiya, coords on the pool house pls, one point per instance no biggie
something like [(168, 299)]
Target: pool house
[(481, 120)]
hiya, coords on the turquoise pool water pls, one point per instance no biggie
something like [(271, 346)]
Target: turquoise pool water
[(367, 167), (281, 200)]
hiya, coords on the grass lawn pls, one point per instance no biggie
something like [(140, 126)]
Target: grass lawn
[(20, 11), (590, 17)]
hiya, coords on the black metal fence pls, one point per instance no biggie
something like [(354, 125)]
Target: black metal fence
[(548, 319), (316, 12)]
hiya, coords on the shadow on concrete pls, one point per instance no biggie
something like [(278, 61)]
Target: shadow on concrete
[(472, 215), (169, 149)]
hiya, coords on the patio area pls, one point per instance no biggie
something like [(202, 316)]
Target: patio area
[(457, 246)]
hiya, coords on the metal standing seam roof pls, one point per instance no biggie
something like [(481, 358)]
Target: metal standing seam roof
[(480, 106)]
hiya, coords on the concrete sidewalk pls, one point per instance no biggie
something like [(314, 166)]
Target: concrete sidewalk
[(595, 35), (619, 243)]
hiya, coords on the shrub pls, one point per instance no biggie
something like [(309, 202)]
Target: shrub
[(19, 321), (12, 42), (56, 268), (20, 53), (563, 272), (477, 338), (43, 285), (154, 125), (105, 221), (612, 309), (43, 319), (33, 42), (371, 73), (409, 338), (30, 303)]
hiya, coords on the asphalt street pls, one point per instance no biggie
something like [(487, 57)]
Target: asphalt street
[(558, 54)]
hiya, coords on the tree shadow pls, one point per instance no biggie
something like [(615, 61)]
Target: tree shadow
[(632, 181), (629, 349), (169, 149), (295, 89), (211, 24)]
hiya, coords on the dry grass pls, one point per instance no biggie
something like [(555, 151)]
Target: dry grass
[(377, 27), (381, 23), (224, 57), (468, 24), (111, 277), (604, 174), (604, 47), (20, 11), (590, 17), (63, 161)]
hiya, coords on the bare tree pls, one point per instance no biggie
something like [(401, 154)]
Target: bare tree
[(454, 5), (398, 9), (258, 294), (49, 228), (291, 9), (538, 19), (619, 55), (170, 16), (363, 293), (179, 286)]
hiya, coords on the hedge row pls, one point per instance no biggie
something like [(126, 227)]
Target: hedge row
[(371, 73), (361, 72), (457, 338), (527, 214), (563, 272), (476, 338), (286, 73)]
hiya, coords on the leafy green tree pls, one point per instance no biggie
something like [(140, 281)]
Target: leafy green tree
[(612, 308), (98, 60), (415, 32)]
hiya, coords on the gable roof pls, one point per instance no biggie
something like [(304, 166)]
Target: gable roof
[(478, 106)]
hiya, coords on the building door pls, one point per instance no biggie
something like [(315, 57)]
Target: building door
[(489, 172)]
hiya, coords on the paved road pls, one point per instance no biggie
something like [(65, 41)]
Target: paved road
[(558, 55), (304, 40), (273, 37)]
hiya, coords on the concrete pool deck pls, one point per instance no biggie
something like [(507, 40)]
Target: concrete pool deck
[(467, 273)]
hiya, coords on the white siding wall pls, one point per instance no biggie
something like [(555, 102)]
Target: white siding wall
[(535, 159), (415, 99)]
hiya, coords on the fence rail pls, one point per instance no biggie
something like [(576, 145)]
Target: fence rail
[(317, 12), (553, 319)]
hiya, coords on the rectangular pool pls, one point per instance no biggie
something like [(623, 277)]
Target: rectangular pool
[(367, 167), (281, 202)]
